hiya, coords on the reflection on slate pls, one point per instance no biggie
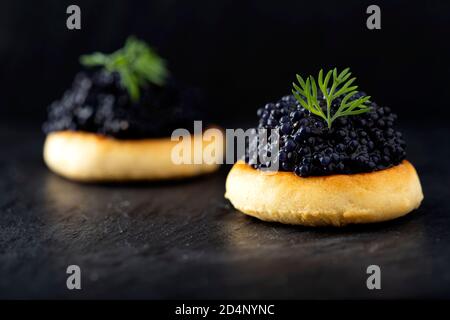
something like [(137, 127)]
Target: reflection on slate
[(183, 239)]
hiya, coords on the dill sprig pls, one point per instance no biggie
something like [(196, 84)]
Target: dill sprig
[(306, 94), (136, 64)]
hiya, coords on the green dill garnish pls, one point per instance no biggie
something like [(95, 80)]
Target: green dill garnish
[(341, 86), (136, 64)]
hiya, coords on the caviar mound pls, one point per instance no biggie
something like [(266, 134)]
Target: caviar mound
[(91, 157), (98, 103), (335, 200), (363, 143)]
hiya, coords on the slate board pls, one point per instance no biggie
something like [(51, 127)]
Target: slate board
[(184, 240)]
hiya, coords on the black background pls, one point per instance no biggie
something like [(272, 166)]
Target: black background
[(242, 53)]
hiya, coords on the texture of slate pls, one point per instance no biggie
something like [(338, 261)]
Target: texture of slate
[(184, 240)]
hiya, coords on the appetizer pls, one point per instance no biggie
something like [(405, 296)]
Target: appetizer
[(340, 158), (116, 121)]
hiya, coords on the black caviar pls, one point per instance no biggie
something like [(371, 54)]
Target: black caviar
[(354, 144), (97, 102)]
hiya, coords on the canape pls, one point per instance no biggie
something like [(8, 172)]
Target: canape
[(339, 157), (115, 122)]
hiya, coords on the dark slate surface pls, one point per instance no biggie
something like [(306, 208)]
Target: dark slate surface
[(184, 240)]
